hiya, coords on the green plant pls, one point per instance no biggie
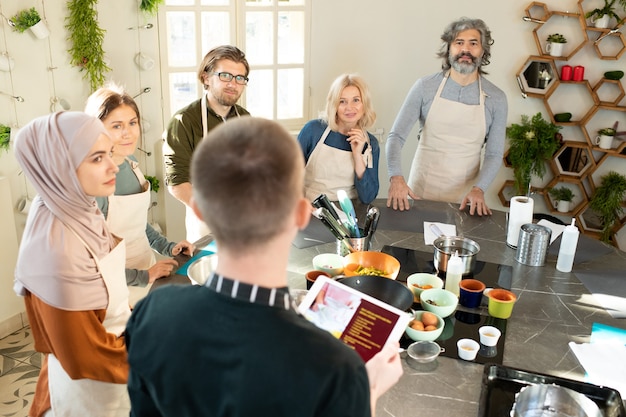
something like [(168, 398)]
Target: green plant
[(155, 184), (150, 6), (86, 41), (606, 10), (607, 201), (561, 194), (5, 137), (532, 144), (24, 19), (557, 38), (607, 131)]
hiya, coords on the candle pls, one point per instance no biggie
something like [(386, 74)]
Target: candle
[(566, 73), (579, 73)]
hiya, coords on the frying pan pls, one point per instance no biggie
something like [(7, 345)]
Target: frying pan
[(384, 289)]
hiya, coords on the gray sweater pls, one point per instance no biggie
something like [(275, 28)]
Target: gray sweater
[(416, 107)]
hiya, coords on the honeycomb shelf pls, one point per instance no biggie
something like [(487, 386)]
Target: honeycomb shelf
[(593, 105)]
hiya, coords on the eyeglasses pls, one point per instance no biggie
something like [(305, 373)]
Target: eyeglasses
[(227, 77)]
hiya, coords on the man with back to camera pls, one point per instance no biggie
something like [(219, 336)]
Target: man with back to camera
[(236, 346), (459, 112), (224, 75)]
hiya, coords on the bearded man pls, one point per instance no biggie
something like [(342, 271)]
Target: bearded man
[(460, 112), (223, 73)]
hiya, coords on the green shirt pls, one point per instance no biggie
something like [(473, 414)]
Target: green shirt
[(182, 136)]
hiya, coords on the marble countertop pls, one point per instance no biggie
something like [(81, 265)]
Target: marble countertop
[(553, 308)]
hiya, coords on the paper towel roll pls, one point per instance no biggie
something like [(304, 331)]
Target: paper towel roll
[(521, 212)]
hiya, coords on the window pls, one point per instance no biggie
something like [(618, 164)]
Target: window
[(272, 33)]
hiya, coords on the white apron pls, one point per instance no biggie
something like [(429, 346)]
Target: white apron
[(447, 160), (127, 218), (87, 397), (195, 227), (329, 170)]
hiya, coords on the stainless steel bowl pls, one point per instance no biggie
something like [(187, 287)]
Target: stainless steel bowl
[(201, 269), (445, 246), (554, 401)]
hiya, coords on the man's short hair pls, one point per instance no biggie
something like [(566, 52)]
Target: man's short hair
[(247, 175), (210, 60)]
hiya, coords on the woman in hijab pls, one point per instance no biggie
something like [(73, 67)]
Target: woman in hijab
[(70, 268)]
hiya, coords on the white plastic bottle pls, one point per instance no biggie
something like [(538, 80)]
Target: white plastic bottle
[(454, 273), (569, 241)]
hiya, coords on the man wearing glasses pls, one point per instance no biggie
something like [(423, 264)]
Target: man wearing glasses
[(224, 74)]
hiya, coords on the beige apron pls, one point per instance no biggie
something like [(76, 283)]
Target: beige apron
[(87, 397), (329, 170), (447, 160), (127, 218), (195, 227)]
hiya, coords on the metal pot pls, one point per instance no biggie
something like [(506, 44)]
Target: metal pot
[(384, 289), (445, 246), (545, 400)]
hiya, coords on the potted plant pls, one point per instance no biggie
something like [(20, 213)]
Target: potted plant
[(29, 19), (562, 198), (5, 137), (555, 45), (154, 183), (532, 144), (600, 17), (607, 201), (605, 138)]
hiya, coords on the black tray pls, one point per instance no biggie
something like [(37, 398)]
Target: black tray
[(500, 384)]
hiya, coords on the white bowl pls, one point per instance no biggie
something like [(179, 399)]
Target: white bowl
[(329, 262), (201, 269), (439, 301), (416, 282), (420, 335)]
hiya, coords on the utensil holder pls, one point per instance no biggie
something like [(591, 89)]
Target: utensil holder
[(359, 244), (532, 244)]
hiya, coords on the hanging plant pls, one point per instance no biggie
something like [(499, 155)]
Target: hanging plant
[(532, 144), (5, 137), (150, 6), (86, 38), (607, 201)]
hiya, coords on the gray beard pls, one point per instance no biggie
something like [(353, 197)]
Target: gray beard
[(464, 68)]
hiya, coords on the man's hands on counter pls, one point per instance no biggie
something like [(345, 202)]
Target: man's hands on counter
[(161, 269), (399, 193), (475, 199)]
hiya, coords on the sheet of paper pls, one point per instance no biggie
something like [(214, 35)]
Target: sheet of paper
[(600, 371), (429, 234), (557, 229)]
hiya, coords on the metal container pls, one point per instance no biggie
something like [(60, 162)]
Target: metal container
[(360, 244), (532, 244), (445, 246), (544, 400), (201, 269)]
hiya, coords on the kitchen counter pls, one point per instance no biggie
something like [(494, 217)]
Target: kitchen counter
[(553, 308)]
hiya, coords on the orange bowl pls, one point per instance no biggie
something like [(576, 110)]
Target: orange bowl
[(371, 259)]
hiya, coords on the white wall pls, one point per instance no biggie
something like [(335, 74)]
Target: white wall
[(391, 43)]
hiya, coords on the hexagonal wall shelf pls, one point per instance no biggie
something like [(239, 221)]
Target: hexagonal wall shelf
[(575, 97), (574, 160), (609, 92), (534, 73), (537, 11), (599, 117), (565, 23), (580, 196)]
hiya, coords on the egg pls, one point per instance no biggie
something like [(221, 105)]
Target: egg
[(429, 319), (417, 325)]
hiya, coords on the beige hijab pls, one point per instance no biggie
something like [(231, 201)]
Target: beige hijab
[(52, 262)]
